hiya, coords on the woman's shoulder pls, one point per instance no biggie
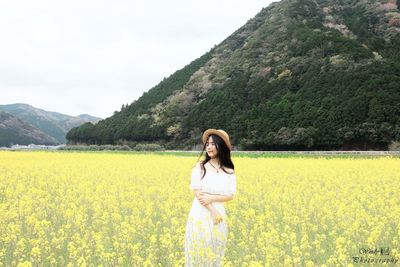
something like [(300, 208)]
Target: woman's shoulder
[(197, 165)]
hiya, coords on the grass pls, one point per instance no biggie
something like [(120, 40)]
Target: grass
[(258, 154)]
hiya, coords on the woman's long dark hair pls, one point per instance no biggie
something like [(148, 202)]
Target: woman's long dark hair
[(223, 153)]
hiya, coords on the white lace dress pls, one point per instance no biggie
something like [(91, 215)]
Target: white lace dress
[(205, 242)]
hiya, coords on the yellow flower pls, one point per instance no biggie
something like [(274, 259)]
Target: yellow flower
[(112, 209)]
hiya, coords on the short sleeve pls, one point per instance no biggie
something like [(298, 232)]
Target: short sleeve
[(195, 182), (232, 184)]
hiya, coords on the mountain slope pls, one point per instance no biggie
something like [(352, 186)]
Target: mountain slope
[(15, 131), (51, 123), (302, 74)]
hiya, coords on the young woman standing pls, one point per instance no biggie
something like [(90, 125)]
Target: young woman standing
[(213, 182)]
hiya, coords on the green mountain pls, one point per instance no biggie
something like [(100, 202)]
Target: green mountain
[(301, 74), (52, 124), (15, 131)]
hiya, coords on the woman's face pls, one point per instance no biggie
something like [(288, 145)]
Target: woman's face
[(211, 148)]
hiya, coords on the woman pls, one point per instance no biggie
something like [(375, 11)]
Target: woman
[(213, 182)]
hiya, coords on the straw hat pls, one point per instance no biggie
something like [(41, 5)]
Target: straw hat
[(220, 133)]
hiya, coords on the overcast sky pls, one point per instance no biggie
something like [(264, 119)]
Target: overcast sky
[(91, 57)]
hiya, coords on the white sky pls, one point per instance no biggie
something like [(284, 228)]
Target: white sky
[(91, 57)]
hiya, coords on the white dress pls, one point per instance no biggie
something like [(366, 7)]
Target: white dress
[(205, 242)]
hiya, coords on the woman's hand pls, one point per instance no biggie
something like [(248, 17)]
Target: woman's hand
[(217, 218), (205, 198)]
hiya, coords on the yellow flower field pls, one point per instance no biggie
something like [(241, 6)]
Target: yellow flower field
[(130, 209)]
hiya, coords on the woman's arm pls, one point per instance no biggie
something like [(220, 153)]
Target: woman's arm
[(220, 198), (206, 198), (199, 194)]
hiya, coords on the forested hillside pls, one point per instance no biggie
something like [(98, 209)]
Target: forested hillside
[(301, 74)]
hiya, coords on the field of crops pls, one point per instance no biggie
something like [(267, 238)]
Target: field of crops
[(130, 209)]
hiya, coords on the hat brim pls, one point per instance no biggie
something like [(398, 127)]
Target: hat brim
[(208, 132)]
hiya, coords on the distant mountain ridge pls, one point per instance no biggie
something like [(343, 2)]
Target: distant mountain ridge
[(301, 74), (25, 124), (15, 131)]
